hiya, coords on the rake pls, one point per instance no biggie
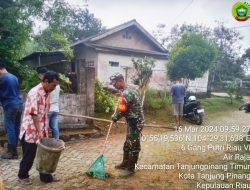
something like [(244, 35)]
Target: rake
[(97, 169)]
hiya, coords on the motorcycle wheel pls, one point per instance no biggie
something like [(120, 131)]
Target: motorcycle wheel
[(243, 107), (198, 119)]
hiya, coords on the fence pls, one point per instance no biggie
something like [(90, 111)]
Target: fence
[(220, 87)]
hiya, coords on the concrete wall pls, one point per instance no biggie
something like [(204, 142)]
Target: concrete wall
[(104, 70), (129, 38), (199, 85), (69, 104), (100, 60), (74, 104)]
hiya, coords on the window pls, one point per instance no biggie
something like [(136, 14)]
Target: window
[(114, 64), (127, 35)]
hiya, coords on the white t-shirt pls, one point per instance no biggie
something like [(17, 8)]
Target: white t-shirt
[(54, 99)]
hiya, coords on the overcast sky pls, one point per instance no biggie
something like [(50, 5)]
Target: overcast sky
[(150, 13)]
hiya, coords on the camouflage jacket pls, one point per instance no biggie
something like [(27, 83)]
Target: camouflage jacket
[(133, 106)]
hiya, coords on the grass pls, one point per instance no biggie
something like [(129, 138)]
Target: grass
[(216, 104), (212, 106)]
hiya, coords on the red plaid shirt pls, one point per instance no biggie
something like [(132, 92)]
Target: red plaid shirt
[(37, 103)]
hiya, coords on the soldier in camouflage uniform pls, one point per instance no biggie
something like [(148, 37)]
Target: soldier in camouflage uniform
[(129, 106)]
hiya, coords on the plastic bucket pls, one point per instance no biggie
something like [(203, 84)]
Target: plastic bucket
[(48, 153)]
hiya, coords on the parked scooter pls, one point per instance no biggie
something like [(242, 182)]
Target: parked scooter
[(245, 107), (193, 111)]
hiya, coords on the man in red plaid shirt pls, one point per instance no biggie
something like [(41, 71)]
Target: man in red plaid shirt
[(34, 125)]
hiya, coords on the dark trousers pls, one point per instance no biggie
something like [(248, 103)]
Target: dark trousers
[(12, 121), (29, 153), (132, 142)]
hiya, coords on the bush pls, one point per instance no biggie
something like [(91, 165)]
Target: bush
[(232, 89), (156, 100), (30, 80), (104, 101)]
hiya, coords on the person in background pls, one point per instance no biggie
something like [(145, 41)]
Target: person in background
[(34, 125), (130, 107), (12, 107), (54, 106), (178, 94)]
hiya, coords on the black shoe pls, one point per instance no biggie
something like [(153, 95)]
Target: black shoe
[(133, 158), (9, 155), (126, 173), (122, 166)]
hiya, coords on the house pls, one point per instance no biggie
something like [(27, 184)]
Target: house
[(111, 52), (100, 56)]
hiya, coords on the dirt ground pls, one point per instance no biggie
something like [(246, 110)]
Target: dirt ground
[(169, 152)]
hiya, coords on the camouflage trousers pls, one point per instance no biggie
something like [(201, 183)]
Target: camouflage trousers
[(132, 143)]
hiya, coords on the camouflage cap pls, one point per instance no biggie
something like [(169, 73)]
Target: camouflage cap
[(115, 77)]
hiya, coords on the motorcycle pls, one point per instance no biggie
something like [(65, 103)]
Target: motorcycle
[(245, 107), (193, 111)]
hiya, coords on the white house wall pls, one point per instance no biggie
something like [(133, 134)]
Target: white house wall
[(104, 71), (89, 55), (158, 80), (199, 85)]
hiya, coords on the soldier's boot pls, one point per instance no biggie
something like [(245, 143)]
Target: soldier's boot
[(133, 158), (15, 154), (11, 153), (124, 163)]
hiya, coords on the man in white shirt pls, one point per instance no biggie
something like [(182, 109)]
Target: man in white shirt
[(53, 112), (54, 106)]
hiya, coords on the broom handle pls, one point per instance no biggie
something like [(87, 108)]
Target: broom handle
[(105, 143), (110, 126)]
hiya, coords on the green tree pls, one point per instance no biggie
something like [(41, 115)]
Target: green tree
[(16, 21), (191, 57), (143, 72), (247, 54), (177, 31), (83, 24), (52, 41), (66, 22), (229, 64), (231, 89), (16, 18), (246, 58)]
